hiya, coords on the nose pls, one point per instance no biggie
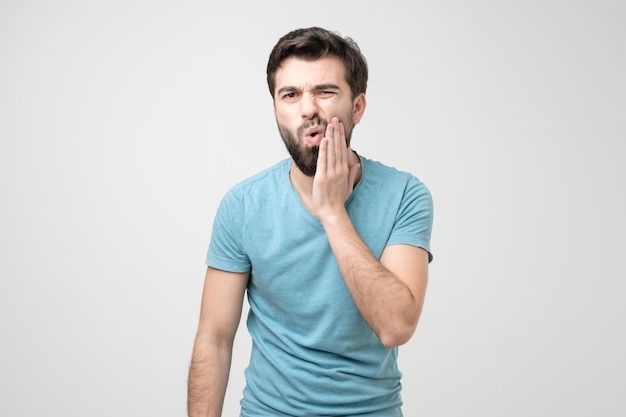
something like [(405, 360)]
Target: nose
[(308, 106)]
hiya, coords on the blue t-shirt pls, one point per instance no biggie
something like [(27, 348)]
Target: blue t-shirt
[(313, 354)]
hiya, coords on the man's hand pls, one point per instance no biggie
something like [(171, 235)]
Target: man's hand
[(334, 180)]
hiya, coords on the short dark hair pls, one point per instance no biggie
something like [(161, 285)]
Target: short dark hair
[(314, 43)]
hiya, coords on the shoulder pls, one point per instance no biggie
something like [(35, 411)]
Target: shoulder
[(244, 199), (389, 176), (265, 182), (395, 187)]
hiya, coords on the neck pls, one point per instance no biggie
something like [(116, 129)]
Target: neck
[(302, 183)]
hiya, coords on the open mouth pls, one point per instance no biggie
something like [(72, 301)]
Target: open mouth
[(314, 131), (313, 135)]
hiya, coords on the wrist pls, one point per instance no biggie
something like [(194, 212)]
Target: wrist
[(333, 216)]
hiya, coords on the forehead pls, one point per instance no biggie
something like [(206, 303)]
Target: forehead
[(296, 72)]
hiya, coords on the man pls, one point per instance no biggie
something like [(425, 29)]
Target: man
[(332, 248)]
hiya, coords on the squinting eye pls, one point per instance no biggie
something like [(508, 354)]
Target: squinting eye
[(327, 94)]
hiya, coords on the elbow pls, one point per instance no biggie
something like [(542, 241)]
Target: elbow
[(396, 337), (399, 331)]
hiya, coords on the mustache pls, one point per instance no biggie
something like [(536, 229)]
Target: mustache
[(315, 121)]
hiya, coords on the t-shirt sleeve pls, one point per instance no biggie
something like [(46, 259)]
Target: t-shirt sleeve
[(414, 221), (226, 249)]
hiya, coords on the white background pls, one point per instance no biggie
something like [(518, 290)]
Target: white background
[(123, 123)]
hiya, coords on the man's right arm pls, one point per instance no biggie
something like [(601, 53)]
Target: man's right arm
[(222, 302)]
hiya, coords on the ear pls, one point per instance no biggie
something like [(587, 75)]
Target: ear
[(358, 108)]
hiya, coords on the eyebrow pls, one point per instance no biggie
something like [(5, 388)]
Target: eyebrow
[(318, 87)]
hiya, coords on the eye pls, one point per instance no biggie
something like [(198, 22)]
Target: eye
[(327, 93), (290, 96)]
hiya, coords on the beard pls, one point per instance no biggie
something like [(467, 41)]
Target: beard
[(305, 157)]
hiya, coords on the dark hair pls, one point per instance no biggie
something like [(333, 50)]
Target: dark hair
[(314, 43)]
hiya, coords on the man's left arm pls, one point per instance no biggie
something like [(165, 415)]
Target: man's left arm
[(388, 292)]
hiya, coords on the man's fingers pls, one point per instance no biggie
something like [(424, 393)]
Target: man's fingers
[(338, 144), (331, 151), (321, 156)]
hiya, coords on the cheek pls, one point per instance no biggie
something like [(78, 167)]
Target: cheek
[(341, 110), (281, 120), (285, 115), (328, 108)]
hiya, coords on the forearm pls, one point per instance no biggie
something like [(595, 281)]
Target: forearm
[(386, 303), (208, 378)]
